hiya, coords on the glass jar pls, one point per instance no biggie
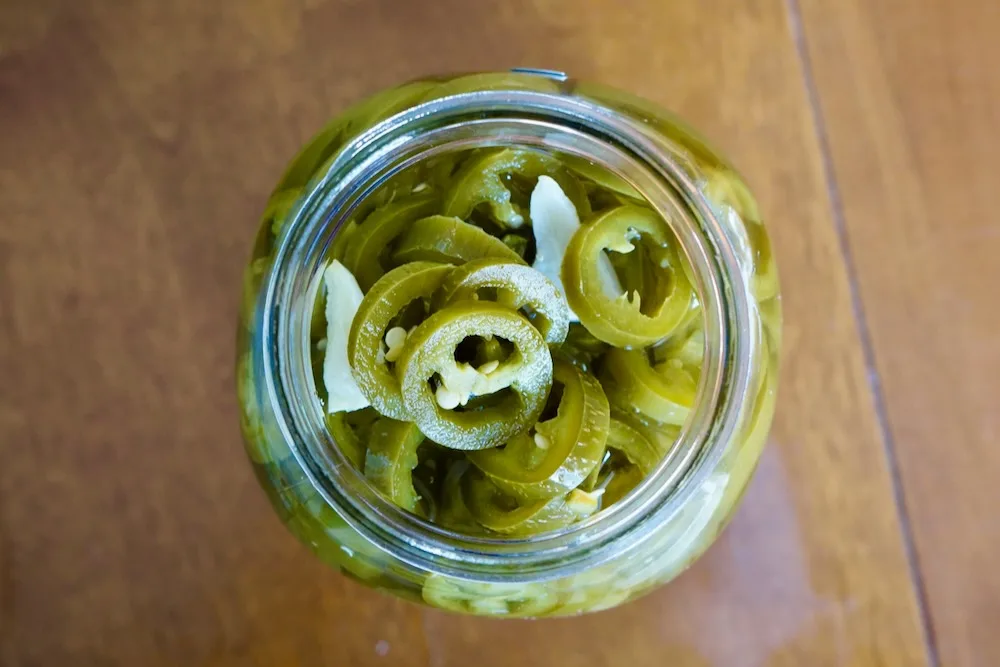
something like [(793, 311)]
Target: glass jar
[(670, 518)]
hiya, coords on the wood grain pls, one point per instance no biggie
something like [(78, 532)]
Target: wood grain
[(139, 142), (911, 97)]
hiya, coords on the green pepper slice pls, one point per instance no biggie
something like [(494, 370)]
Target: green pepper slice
[(606, 180), (351, 430), (581, 346), (663, 436), (764, 282), (384, 301), (563, 451), (725, 187), (665, 393), (364, 252), (453, 514), (592, 590), (489, 598), (629, 438), (449, 240), (516, 286), (623, 479), (391, 458), (685, 346), (486, 179), (593, 478), (501, 513), (384, 104), (429, 354), (489, 350), (323, 529), (518, 244), (254, 434), (622, 321)]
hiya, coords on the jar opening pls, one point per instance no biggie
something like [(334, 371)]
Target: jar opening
[(555, 124)]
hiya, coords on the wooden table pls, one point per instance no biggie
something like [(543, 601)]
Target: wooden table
[(138, 141)]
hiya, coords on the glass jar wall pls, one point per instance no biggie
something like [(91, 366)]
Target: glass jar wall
[(642, 521)]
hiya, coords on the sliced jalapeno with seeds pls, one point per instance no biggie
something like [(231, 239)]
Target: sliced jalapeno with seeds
[(429, 357), (384, 301), (562, 451), (623, 320)]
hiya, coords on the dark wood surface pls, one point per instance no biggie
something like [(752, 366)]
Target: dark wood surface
[(911, 96), (138, 141)]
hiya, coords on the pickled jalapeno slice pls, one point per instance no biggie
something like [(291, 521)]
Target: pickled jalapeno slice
[(488, 598), (435, 386), (500, 513), (391, 458), (449, 240), (368, 351), (665, 393), (559, 453), (581, 346), (515, 286), (634, 442), (624, 319), (351, 430), (723, 187), (365, 250), (487, 179)]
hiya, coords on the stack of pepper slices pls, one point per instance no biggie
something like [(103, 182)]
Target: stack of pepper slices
[(510, 340)]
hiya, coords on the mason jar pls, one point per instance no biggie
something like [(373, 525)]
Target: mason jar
[(651, 534)]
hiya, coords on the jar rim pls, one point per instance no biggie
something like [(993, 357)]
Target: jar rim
[(552, 122)]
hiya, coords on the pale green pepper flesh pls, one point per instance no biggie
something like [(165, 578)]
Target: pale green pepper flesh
[(364, 252), (664, 393), (350, 431), (391, 458), (634, 443), (449, 240), (487, 179), (495, 510)]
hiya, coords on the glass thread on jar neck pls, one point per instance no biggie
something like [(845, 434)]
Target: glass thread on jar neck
[(553, 123)]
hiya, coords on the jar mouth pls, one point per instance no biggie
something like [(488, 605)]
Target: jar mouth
[(566, 125)]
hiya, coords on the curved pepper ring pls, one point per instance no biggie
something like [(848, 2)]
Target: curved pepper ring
[(485, 180), (516, 286), (620, 320), (387, 298), (564, 449), (428, 356)]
